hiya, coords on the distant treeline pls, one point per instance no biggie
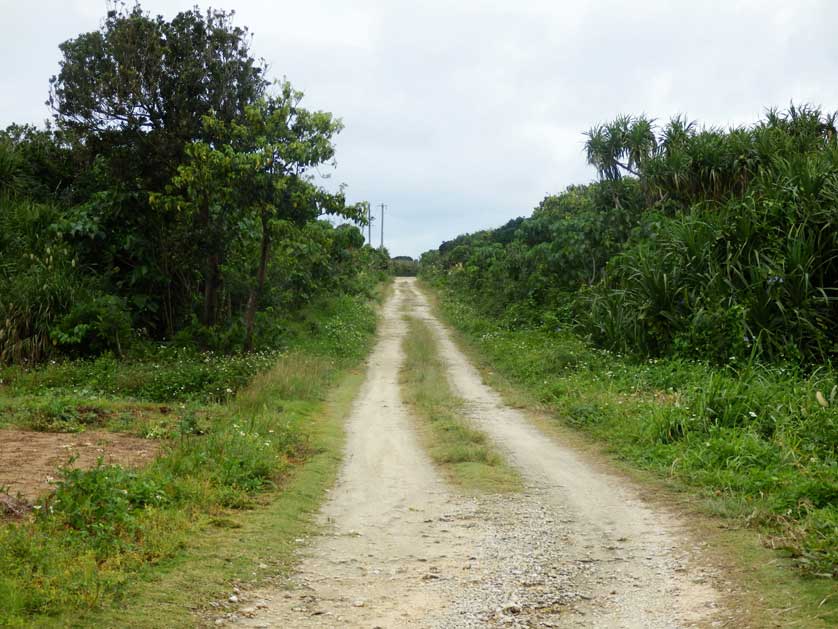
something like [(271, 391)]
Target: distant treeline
[(404, 266), (699, 242), (172, 197)]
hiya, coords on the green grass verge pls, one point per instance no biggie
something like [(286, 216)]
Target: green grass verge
[(105, 528), (750, 446), (464, 453), (162, 373), (239, 547)]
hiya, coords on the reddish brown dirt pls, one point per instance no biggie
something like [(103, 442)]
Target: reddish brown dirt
[(29, 460)]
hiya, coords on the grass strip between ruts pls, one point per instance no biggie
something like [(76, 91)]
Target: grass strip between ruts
[(464, 453)]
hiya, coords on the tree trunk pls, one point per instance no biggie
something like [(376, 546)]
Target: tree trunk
[(256, 289), (212, 283), (212, 275)]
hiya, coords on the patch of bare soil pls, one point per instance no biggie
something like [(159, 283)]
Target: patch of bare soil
[(29, 460)]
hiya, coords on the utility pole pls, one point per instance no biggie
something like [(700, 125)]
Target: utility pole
[(383, 207), (369, 224)]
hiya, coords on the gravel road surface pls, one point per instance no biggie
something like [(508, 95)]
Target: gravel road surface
[(401, 548)]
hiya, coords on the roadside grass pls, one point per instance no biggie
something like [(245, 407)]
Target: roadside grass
[(747, 447), (157, 374), (104, 528), (464, 453), (238, 547), (56, 412)]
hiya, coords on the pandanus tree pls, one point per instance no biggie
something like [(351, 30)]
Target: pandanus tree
[(623, 145)]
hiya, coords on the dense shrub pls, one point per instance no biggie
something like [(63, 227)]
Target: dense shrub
[(132, 218), (718, 244)]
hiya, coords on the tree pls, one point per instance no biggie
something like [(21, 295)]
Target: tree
[(259, 175), (622, 145), (134, 93), (149, 82)]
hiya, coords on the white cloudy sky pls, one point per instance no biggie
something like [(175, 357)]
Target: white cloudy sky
[(462, 114)]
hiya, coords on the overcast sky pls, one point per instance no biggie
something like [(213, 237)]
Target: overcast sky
[(461, 114)]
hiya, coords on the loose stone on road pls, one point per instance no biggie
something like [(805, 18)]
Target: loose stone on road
[(401, 548)]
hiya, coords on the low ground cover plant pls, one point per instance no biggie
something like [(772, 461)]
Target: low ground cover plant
[(463, 452)]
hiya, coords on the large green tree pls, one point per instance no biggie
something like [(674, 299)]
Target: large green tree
[(258, 175), (133, 95), (145, 83)]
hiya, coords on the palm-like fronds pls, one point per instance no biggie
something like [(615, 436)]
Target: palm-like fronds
[(622, 145)]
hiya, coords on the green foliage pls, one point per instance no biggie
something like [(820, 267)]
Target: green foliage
[(259, 177), (738, 255), (404, 266), (99, 505), (165, 374), (754, 437), (166, 222), (53, 413), (526, 270), (39, 283), (138, 87), (176, 198), (93, 327), (128, 99), (703, 268), (716, 244), (12, 170), (338, 327), (102, 526)]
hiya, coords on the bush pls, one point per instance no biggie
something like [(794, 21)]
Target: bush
[(39, 281), (93, 327), (100, 504), (712, 244)]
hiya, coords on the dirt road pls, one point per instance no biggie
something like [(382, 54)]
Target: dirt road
[(402, 549)]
